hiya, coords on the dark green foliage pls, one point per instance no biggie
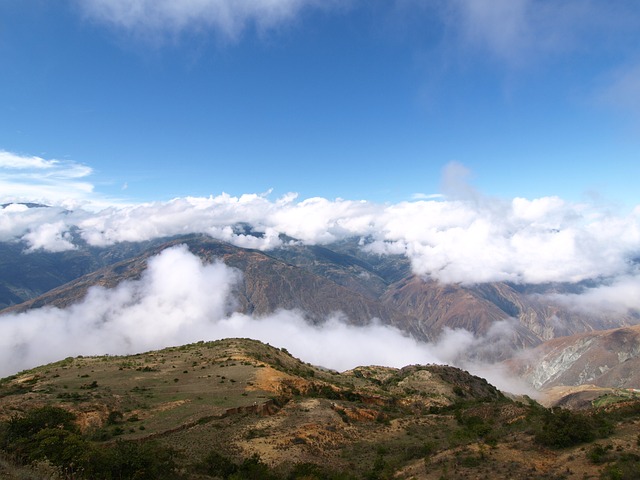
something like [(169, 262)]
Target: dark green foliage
[(114, 417), (458, 391), (252, 468), (469, 461), (599, 453), (427, 449), (60, 447), (217, 465), (563, 428), (378, 471), (18, 428), (474, 426), (7, 387), (132, 460), (47, 432), (311, 471), (50, 433), (627, 467), (326, 391)]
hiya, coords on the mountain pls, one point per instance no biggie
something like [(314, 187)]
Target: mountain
[(268, 284), (238, 408), (25, 274), (609, 358), (319, 281)]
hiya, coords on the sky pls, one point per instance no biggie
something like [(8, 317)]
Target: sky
[(128, 101), (487, 141)]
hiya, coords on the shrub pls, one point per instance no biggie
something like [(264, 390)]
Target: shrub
[(563, 428), (627, 467), (45, 433), (216, 464)]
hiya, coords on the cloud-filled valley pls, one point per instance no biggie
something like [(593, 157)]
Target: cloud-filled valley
[(180, 300), (462, 238)]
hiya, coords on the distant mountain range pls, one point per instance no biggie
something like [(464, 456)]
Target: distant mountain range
[(319, 281)]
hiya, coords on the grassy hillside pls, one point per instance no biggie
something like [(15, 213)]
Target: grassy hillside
[(238, 408)]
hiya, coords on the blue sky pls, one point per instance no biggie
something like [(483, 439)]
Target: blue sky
[(354, 99)]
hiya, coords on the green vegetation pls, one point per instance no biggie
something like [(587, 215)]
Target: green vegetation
[(49, 433), (125, 418), (563, 428)]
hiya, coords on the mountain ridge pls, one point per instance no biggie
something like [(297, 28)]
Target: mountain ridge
[(322, 280), (208, 409)]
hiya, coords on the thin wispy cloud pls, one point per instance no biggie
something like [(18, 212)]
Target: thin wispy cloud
[(25, 178), (63, 183), (226, 18), (521, 32), (511, 30)]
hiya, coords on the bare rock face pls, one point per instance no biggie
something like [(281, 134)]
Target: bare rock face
[(609, 358)]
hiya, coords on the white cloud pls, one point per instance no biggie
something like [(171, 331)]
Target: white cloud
[(616, 297), (18, 220), (53, 237), (426, 196), (179, 300), (34, 179), (62, 183), (13, 161), (228, 18), (462, 238), (538, 209), (470, 240)]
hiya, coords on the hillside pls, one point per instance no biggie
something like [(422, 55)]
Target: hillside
[(25, 275), (609, 358), (213, 408)]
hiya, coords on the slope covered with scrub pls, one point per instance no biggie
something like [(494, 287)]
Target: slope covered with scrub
[(238, 408)]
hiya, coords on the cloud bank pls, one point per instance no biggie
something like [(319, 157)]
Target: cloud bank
[(615, 297), (454, 241), (162, 309)]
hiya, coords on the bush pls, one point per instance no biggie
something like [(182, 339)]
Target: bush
[(563, 428), (49, 433), (311, 471), (46, 433), (599, 453), (626, 468), (140, 461), (252, 468), (218, 465), (35, 420)]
